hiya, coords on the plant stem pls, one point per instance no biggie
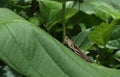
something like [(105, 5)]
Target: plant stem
[(63, 17)]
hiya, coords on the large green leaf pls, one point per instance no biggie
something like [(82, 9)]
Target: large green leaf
[(33, 53), (101, 34)]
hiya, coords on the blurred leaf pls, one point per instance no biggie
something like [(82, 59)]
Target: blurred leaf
[(11, 73), (81, 17), (51, 12), (48, 9), (113, 3), (117, 54), (114, 42), (101, 9), (83, 26), (35, 20), (101, 34), (82, 40), (87, 8)]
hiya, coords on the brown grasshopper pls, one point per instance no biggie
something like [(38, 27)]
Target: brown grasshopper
[(69, 43)]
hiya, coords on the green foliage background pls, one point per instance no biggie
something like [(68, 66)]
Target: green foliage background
[(93, 25)]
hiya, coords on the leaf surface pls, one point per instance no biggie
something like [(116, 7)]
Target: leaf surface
[(114, 42), (101, 34), (102, 9)]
